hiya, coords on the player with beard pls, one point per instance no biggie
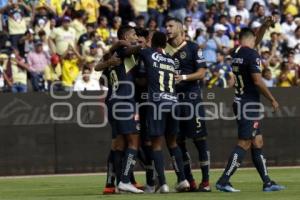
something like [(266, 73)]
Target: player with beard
[(120, 97), (161, 110), (191, 68), (145, 153), (246, 64)]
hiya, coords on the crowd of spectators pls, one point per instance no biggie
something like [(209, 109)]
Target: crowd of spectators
[(45, 41)]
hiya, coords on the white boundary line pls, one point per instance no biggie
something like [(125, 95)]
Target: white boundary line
[(136, 172)]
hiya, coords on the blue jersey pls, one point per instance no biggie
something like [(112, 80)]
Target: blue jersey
[(160, 69), (140, 81), (188, 59), (120, 78), (245, 61)]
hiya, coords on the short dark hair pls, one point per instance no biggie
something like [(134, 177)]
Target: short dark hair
[(86, 68), (102, 18), (265, 70), (222, 16), (246, 32), (273, 33), (123, 29), (240, 16), (141, 32), (140, 17), (80, 13), (174, 19), (159, 40), (93, 34)]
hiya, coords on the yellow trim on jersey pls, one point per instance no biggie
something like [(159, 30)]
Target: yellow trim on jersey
[(172, 50), (237, 49), (129, 63)]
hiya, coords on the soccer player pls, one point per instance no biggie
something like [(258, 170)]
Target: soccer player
[(160, 69), (249, 84), (145, 153), (113, 163), (191, 67), (121, 97)]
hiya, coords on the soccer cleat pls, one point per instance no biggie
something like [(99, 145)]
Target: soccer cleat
[(193, 186), (226, 187), (109, 190), (149, 189), (204, 187), (164, 189), (272, 187), (183, 186), (128, 187)]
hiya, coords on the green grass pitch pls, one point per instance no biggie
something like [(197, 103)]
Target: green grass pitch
[(89, 187)]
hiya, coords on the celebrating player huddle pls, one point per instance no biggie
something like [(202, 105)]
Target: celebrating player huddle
[(154, 93)]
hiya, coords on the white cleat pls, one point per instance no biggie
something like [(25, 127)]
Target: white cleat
[(149, 189), (183, 186), (164, 189), (128, 187)]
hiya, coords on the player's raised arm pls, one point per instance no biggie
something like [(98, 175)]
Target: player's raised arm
[(257, 79), (269, 21)]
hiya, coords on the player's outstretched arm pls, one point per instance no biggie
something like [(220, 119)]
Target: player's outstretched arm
[(120, 43), (257, 78), (110, 62), (132, 50)]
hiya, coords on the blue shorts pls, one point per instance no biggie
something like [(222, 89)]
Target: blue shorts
[(194, 126), (161, 123), (121, 116), (248, 122)]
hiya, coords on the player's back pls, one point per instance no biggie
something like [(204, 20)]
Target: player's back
[(121, 78), (160, 69), (245, 62)]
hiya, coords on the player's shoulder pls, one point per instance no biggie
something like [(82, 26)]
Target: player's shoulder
[(244, 52), (192, 45), (250, 51), (146, 50)]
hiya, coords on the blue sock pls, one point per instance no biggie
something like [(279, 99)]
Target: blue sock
[(132, 178), (149, 167), (260, 164), (110, 179), (187, 162), (234, 162), (177, 162), (201, 145), (118, 156), (158, 159), (128, 165)]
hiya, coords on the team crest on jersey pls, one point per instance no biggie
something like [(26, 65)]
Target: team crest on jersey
[(177, 63), (183, 55)]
